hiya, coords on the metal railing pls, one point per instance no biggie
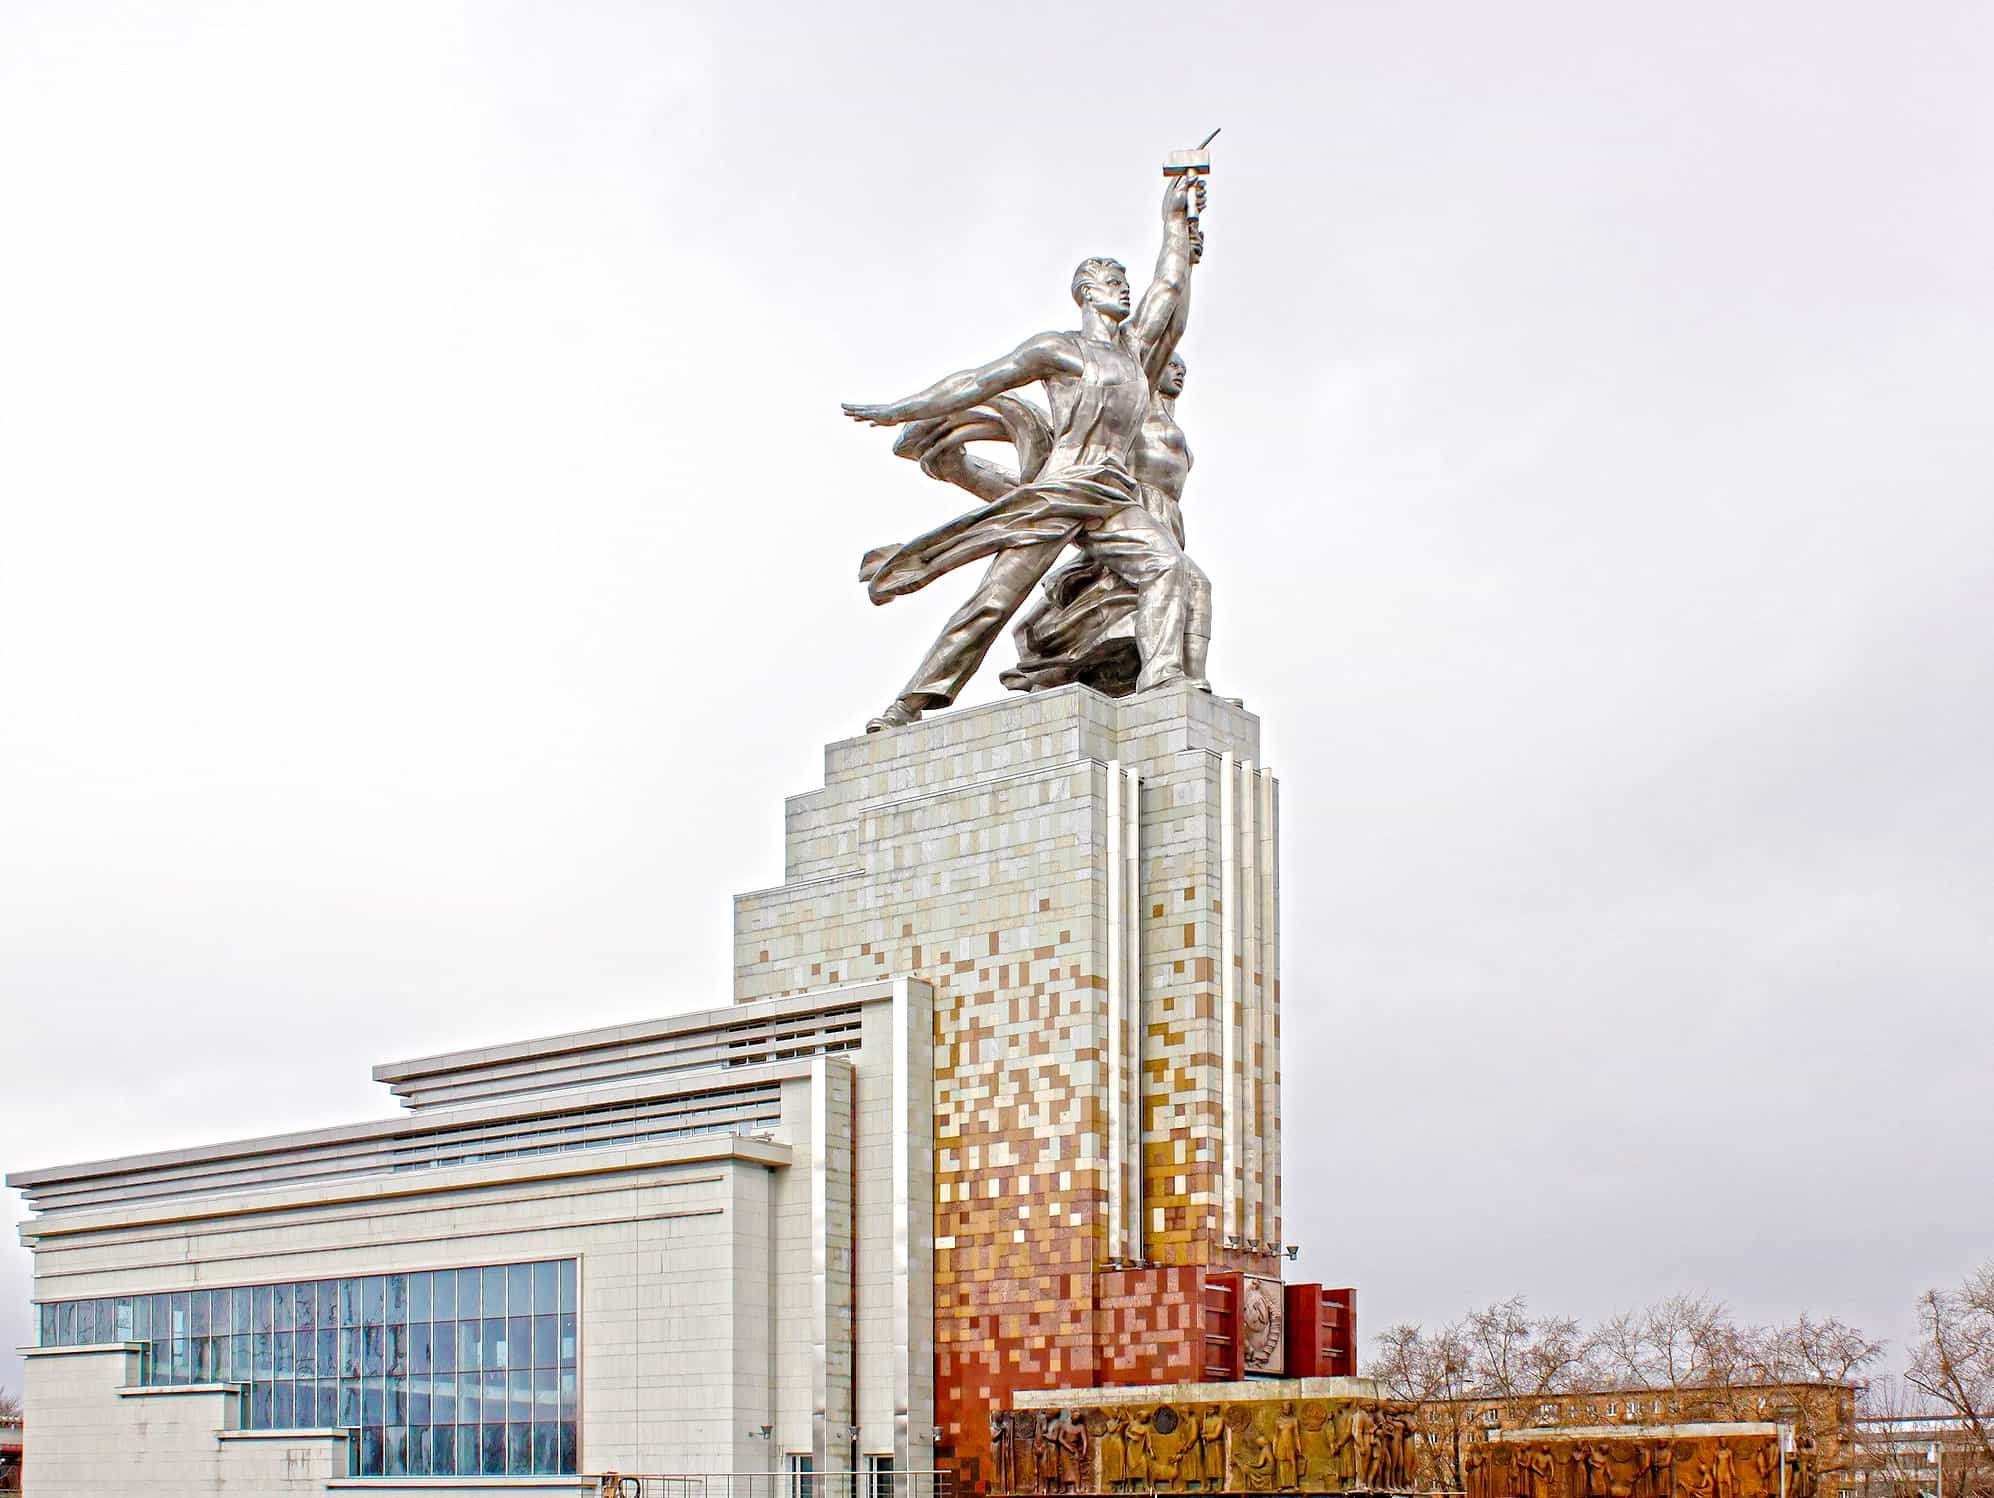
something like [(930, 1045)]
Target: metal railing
[(776, 1484)]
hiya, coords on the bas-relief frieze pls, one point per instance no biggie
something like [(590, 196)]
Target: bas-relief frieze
[(1729, 1466), (1242, 1446)]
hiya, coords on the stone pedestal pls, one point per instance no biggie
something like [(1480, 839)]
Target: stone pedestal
[(1091, 887)]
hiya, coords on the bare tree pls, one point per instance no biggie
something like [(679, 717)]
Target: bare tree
[(1620, 1351), (1691, 1342), (1498, 1353), (1554, 1357), (1953, 1362), (1496, 1336), (1430, 1372), (10, 1404), (1514, 1355), (1827, 1351)]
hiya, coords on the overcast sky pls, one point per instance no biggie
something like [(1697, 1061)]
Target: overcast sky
[(428, 534)]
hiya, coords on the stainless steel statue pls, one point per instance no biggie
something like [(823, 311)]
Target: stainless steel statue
[(1083, 628), (1103, 474)]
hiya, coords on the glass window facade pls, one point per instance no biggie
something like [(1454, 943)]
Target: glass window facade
[(449, 1372)]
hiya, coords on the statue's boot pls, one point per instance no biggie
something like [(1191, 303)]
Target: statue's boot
[(1196, 648), (899, 713)]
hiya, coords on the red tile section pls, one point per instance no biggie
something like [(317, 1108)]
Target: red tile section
[(1225, 1349), (1149, 1325), (1321, 1332), (1158, 1325)]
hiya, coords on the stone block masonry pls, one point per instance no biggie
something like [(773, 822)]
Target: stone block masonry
[(1091, 888)]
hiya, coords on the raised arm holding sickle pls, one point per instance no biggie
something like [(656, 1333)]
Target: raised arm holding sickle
[(1098, 381)]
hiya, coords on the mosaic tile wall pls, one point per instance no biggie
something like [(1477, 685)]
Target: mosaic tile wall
[(974, 850)]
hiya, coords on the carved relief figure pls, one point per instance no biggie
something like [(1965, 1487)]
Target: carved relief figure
[(1397, 1428), (1597, 1477), (1630, 1461), (1289, 1464), (1025, 1432), (1063, 1453), (1252, 1462), (1210, 1462), (1318, 1442), (1624, 1468), (1005, 1475), (1074, 1468), (1661, 1469), (1384, 1450), (1359, 1441), (1765, 1468), (1045, 1452), (1726, 1473), (1535, 1468), (1113, 1450), (1384, 1439), (1475, 1471), (1137, 1441)]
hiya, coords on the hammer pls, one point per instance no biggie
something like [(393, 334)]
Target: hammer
[(1195, 163), (1198, 160)]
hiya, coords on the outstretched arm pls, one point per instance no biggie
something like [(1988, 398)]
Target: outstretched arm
[(1160, 315), (1034, 359)]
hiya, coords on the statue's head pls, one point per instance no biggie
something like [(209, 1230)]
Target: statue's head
[(1102, 284), (1171, 381)]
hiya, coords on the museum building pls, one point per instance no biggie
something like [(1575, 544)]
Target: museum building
[(994, 1109)]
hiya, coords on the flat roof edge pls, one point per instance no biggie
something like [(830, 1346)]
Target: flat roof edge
[(64, 1222), (603, 1036), (415, 1125)]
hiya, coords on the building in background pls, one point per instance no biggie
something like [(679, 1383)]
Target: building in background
[(1907, 1456)]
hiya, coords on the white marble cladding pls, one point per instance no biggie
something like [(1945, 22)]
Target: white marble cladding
[(729, 1282), (95, 1431), (982, 746)]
